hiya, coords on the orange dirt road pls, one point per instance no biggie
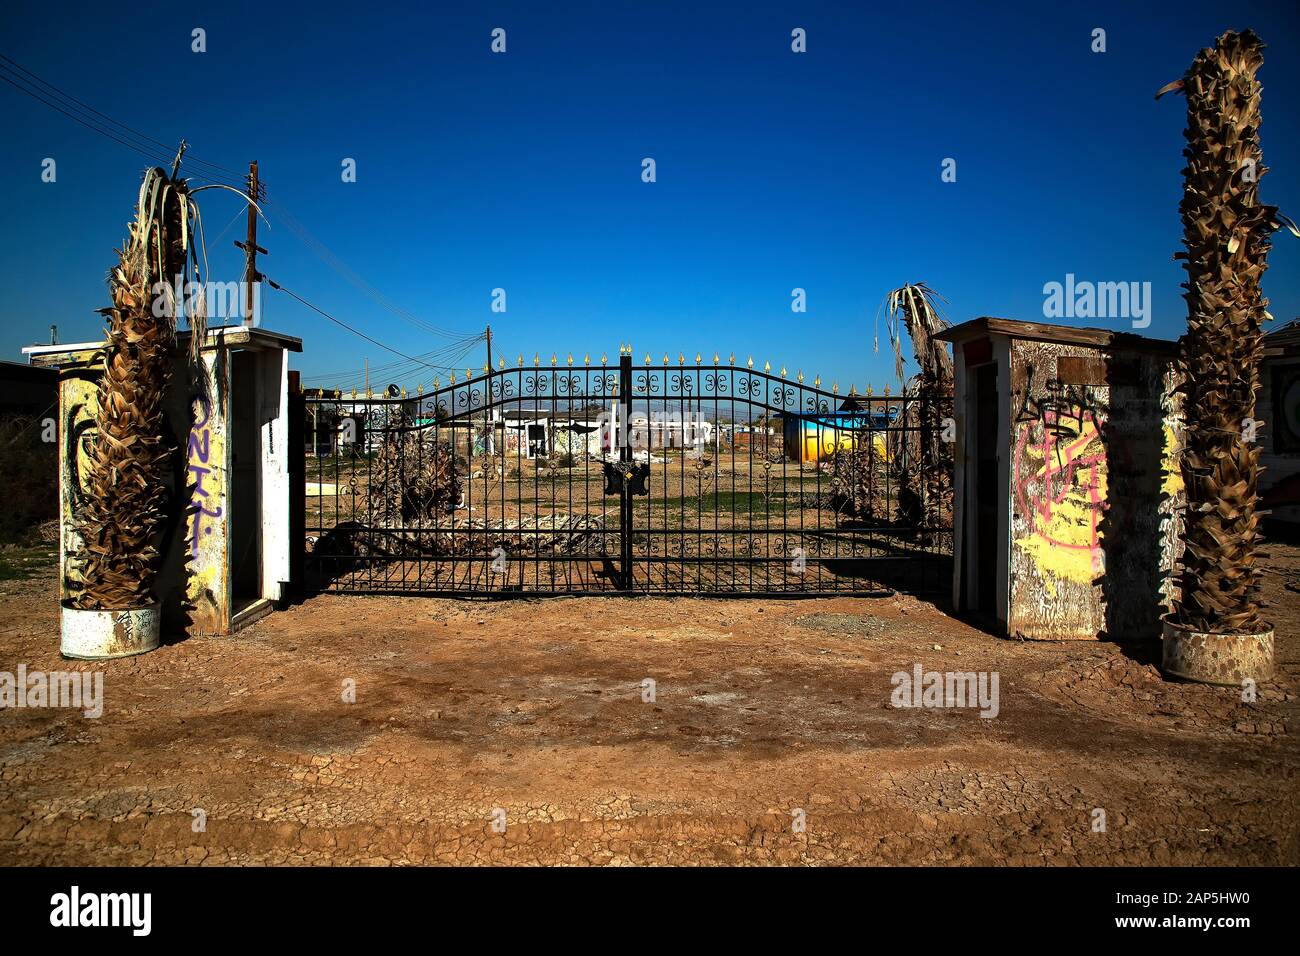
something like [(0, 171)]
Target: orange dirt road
[(470, 716)]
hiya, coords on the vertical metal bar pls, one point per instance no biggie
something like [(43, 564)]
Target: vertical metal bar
[(625, 457)]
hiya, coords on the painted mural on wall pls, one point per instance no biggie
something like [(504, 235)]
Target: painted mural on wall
[(78, 403), (1059, 480), (197, 575), (1095, 485)]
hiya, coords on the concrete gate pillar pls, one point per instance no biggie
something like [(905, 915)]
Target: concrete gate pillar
[(226, 546)]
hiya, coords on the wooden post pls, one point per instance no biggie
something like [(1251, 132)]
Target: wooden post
[(250, 246)]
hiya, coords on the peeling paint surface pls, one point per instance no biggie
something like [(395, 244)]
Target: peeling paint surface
[(1063, 496), (1095, 489), (207, 468)]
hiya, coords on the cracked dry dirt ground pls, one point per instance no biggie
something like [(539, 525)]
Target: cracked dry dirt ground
[(535, 707)]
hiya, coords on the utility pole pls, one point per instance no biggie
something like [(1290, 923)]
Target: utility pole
[(250, 246), (489, 347), (176, 163), (367, 364), (54, 335)]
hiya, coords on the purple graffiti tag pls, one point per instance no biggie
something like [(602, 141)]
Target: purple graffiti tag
[(198, 449)]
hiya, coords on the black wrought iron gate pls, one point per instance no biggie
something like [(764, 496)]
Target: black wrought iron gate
[(668, 477)]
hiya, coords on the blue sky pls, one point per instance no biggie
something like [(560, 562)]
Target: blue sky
[(522, 171)]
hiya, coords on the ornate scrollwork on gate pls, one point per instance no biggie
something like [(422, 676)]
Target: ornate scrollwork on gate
[(743, 472)]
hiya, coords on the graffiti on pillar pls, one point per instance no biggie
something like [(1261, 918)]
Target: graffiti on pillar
[(1059, 481), (200, 465)]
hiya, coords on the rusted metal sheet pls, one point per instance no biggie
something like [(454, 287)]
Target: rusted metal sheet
[(1081, 370), (1095, 488)]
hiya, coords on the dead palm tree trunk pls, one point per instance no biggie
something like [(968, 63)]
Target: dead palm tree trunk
[(926, 462), (128, 468), (1226, 232)]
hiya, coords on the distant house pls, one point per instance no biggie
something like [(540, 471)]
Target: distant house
[(1278, 407), (814, 437), (542, 432)]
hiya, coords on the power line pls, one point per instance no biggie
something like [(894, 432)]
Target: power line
[(50, 89), (449, 353), (154, 157), (398, 371), (357, 332), (160, 154), (323, 252), (394, 370)]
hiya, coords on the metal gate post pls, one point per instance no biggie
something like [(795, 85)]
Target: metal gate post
[(625, 457)]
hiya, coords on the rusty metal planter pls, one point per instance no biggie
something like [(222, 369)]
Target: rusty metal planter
[(1224, 659)]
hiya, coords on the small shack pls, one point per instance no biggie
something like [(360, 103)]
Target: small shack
[(27, 389), (226, 556), (1278, 409), (1067, 490)]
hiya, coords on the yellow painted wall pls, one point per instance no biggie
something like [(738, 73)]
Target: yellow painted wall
[(198, 550)]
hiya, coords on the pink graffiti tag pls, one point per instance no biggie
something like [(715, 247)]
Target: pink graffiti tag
[(198, 450), (1066, 469)]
